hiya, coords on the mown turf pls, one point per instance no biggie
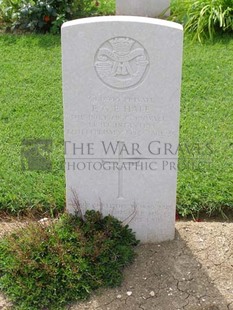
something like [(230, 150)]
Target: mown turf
[(31, 107), (205, 180)]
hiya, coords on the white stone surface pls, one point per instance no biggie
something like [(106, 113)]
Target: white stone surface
[(121, 89), (148, 8)]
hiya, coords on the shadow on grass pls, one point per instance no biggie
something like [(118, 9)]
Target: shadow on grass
[(224, 38), (221, 38), (46, 41)]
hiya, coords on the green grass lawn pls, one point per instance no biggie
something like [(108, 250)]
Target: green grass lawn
[(31, 107), (207, 128)]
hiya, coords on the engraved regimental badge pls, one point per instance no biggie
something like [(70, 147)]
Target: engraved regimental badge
[(121, 63)]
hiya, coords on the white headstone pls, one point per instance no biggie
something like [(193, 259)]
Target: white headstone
[(149, 8), (121, 88)]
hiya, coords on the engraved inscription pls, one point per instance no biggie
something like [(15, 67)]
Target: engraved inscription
[(121, 63), (119, 116)]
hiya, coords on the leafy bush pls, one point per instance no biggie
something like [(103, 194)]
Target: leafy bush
[(105, 7), (44, 15), (8, 8), (204, 17), (47, 266), (49, 15)]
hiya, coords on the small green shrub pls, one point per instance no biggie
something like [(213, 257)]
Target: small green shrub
[(204, 18), (49, 15), (105, 7), (43, 15), (48, 266), (8, 9)]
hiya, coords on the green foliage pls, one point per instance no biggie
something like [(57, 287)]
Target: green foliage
[(49, 15), (8, 9), (48, 266), (204, 18), (105, 7)]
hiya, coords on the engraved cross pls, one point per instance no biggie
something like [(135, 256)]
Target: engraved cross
[(120, 163), (120, 172)]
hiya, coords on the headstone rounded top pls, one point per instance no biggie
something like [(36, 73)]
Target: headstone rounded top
[(128, 19)]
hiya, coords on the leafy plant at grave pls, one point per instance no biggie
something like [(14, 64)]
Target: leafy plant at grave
[(204, 18), (8, 9), (49, 15), (48, 266), (44, 15), (105, 7)]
